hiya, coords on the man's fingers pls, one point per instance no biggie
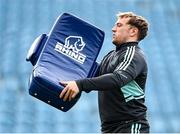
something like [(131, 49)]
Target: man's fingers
[(74, 95), (70, 96), (70, 91), (63, 92), (67, 95)]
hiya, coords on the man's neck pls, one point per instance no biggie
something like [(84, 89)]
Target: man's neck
[(131, 43)]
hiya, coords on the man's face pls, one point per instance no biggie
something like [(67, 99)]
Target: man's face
[(121, 31)]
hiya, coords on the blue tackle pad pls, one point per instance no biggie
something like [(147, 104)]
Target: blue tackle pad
[(67, 53)]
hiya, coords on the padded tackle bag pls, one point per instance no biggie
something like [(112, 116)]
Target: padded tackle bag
[(68, 52)]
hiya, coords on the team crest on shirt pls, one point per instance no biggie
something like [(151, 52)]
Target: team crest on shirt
[(72, 48)]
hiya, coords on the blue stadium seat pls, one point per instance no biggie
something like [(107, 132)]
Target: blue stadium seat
[(158, 124), (175, 123)]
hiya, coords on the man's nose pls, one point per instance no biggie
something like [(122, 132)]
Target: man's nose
[(113, 29)]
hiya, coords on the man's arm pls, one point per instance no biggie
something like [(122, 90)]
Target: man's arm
[(120, 77)]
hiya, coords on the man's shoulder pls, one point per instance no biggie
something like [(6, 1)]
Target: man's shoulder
[(109, 53)]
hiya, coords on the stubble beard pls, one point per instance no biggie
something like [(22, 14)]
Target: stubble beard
[(116, 43)]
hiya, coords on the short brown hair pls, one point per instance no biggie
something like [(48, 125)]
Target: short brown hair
[(137, 21)]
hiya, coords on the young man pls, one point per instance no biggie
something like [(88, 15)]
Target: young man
[(121, 79)]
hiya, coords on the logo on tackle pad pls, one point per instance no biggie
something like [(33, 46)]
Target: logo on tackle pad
[(72, 48)]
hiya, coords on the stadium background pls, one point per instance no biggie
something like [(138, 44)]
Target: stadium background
[(21, 21)]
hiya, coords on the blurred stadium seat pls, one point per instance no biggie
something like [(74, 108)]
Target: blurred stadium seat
[(23, 20)]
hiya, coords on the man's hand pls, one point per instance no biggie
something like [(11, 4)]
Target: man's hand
[(70, 91)]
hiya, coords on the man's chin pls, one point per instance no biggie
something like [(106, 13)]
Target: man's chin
[(114, 42)]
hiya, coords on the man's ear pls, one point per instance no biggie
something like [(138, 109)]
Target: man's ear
[(133, 31)]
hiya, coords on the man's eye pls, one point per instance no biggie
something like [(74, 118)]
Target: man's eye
[(119, 25)]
